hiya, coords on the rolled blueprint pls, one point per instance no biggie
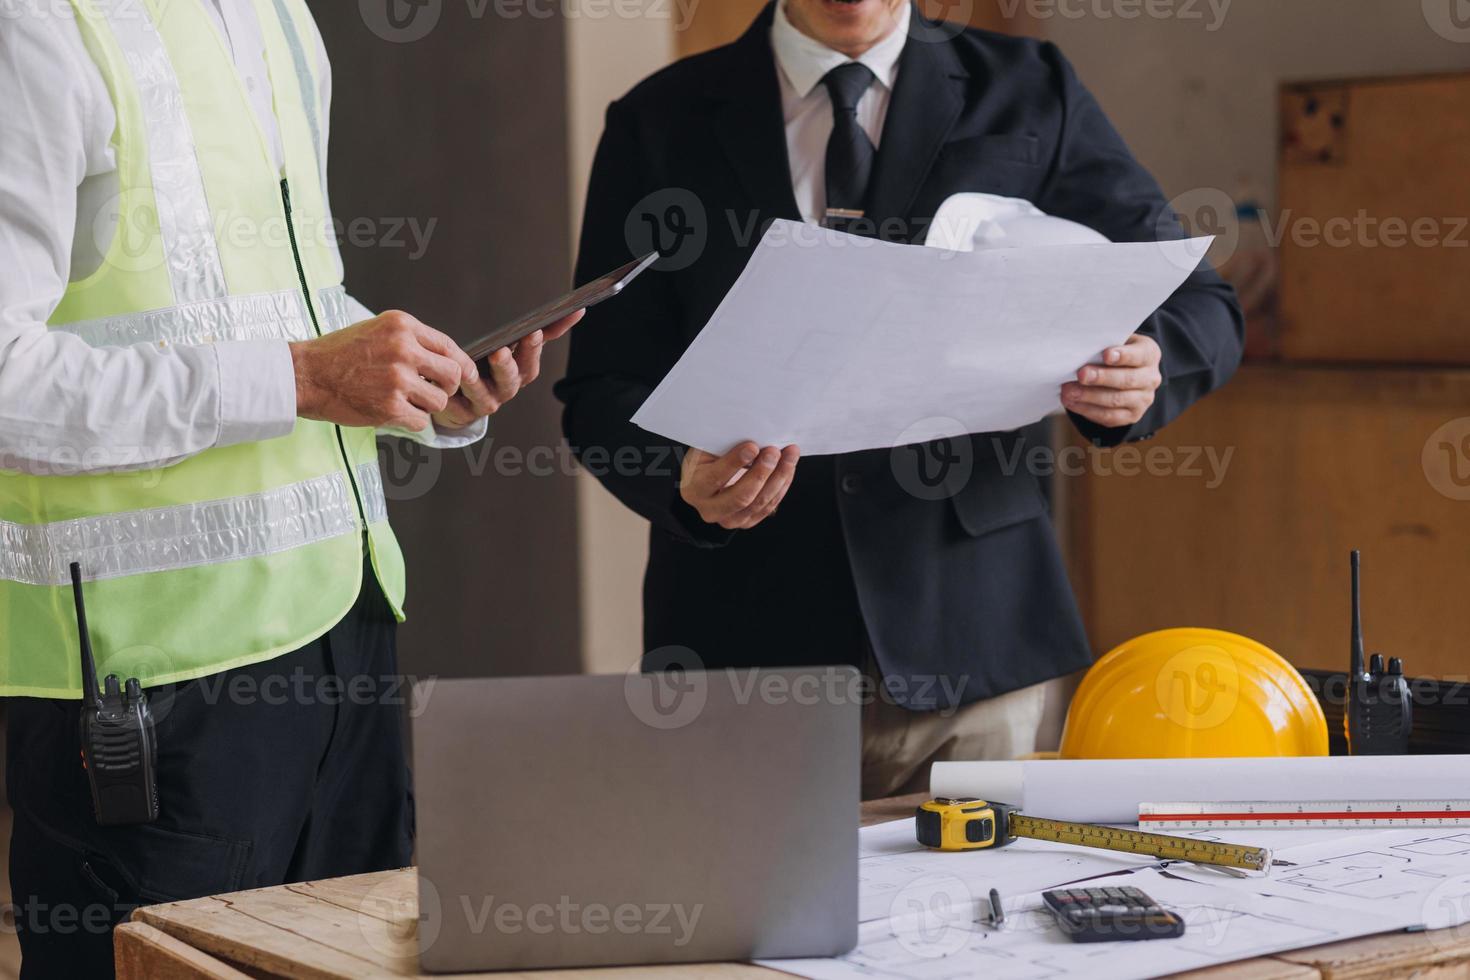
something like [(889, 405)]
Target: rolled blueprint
[(1110, 790)]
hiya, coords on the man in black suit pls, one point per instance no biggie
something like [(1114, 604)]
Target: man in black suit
[(935, 567)]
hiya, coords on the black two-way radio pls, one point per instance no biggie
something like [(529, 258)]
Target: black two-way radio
[(1380, 710), (119, 747)]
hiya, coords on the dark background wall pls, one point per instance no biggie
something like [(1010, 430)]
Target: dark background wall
[(461, 121)]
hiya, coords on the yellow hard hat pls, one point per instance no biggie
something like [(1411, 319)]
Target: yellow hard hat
[(1193, 693)]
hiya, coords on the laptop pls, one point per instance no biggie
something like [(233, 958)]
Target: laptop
[(636, 819)]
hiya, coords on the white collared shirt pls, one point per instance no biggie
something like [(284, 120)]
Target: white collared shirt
[(801, 63), (66, 407)]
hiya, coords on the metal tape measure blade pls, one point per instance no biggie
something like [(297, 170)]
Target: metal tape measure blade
[(1142, 842)]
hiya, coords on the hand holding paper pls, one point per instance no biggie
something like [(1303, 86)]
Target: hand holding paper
[(739, 489), (1122, 389)]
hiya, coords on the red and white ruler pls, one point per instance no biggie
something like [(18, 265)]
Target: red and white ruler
[(1284, 816)]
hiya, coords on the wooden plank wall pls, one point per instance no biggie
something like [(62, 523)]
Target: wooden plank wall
[(1373, 191), (1320, 461), (1350, 442)]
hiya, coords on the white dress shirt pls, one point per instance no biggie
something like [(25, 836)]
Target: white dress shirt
[(66, 407), (802, 62)]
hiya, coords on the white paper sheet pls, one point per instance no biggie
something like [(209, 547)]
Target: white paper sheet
[(837, 343), (895, 871), (1417, 876), (943, 940), (1109, 790), (1330, 889)]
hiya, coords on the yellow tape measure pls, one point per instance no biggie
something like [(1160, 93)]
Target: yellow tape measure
[(969, 824)]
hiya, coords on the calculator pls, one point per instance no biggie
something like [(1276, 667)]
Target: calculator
[(1101, 915)]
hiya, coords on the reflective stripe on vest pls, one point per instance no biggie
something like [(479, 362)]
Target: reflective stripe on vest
[(300, 60), (189, 535), (262, 316), (189, 247)]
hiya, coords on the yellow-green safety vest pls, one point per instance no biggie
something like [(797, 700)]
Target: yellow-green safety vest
[(240, 553)]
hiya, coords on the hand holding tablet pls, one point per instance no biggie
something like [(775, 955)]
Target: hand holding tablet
[(594, 292)]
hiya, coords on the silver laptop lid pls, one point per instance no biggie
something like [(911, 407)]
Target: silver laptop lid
[(646, 818)]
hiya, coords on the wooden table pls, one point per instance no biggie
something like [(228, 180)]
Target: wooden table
[(363, 926)]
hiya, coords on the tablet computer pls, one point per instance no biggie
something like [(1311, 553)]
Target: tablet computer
[(594, 292)]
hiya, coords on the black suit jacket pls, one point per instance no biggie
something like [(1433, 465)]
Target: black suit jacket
[(950, 570)]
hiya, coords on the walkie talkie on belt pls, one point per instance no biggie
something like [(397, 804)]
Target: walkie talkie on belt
[(119, 747), (1380, 710)]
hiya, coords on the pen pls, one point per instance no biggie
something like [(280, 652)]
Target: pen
[(997, 912)]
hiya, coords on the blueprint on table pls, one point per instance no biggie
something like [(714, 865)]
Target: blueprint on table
[(1418, 877), (922, 916)]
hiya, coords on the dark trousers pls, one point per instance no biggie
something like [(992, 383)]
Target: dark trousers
[(283, 771)]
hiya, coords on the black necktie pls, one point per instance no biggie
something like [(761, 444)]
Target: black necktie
[(849, 152)]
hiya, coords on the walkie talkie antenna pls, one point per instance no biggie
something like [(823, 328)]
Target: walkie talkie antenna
[(1358, 666), (89, 667)]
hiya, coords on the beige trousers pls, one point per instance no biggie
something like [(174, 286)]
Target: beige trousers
[(899, 745)]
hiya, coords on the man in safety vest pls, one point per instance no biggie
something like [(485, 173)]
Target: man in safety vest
[(189, 402)]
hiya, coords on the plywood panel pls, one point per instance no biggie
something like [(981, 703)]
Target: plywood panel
[(1375, 221), (713, 24), (146, 953), (1316, 462)]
